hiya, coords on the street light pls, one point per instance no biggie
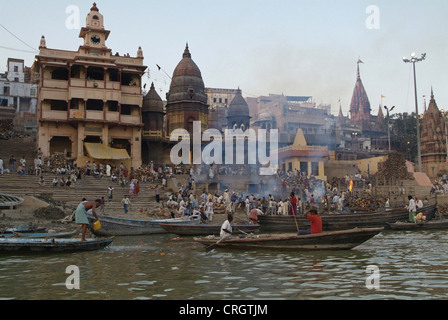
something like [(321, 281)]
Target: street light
[(414, 60), (388, 123)]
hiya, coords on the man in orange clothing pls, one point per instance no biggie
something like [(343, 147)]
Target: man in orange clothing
[(316, 223)]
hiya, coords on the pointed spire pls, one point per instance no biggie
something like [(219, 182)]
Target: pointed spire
[(187, 53), (358, 74), (432, 93), (380, 113), (94, 8)]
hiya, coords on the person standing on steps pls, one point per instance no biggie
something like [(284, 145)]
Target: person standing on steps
[(126, 202), (12, 162)]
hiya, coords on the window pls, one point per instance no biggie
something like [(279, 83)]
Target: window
[(16, 69)]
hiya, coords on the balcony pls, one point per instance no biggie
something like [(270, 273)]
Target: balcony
[(76, 82), (94, 115), (76, 114), (112, 85), (112, 116), (54, 115), (131, 90), (57, 84), (135, 120), (97, 84)]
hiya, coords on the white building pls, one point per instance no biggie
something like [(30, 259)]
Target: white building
[(18, 96)]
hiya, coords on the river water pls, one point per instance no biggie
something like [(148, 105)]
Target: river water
[(407, 265)]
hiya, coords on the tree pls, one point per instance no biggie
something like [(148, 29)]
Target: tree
[(404, 135)]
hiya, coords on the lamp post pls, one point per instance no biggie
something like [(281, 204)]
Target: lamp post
[(414, 60), (388, 123)]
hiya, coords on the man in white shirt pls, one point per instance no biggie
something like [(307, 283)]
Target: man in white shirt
[(209, 210), (226, 228), (412, 208)]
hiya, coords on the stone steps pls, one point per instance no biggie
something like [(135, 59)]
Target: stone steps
[(89, 188)]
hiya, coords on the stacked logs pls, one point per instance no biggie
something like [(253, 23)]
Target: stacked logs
[(394, 168), (365, 202), (57, 160)]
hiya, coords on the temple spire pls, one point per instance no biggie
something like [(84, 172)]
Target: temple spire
[(358, 74), (187, 53)]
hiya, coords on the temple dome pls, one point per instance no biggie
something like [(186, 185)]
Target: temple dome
[(238, 107), (187, 83), (152, 101)]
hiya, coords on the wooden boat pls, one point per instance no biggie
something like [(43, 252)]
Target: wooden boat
[(23, 230), (333, 222), (112, 226), (45, 235), (55, 245), (8, 201), (433, 224), (203, 229), (327, 240)]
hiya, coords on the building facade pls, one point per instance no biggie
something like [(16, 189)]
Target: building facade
[(18, 96), (89, 96)]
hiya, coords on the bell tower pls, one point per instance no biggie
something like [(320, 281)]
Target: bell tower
[(94, 34)]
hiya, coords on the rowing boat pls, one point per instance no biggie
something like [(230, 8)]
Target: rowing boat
[(52, 245), (204, 229), (112, 226), (343, 221), (8, 201), (45, 235), (433, 224), (23, 230), (327, 240)]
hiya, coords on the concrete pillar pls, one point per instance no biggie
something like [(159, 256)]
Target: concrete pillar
[(310, 169)]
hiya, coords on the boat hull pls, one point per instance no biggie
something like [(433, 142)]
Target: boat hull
[(112, 226), (59, 235), (328, 240), (52, 245), (333, 222), (435, 225), (8, 201), (201, 230)]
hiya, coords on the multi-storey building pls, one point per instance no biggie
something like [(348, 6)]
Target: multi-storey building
[(89, 96), (18, 96)]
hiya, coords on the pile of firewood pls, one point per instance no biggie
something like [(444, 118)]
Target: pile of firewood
[(442, 208), (57, 160), (394, 168), (365, 202)]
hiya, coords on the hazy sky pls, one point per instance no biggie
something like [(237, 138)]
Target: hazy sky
[(292, 47)]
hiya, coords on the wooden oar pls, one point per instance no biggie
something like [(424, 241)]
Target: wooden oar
[(297, 225), (213, 246)]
